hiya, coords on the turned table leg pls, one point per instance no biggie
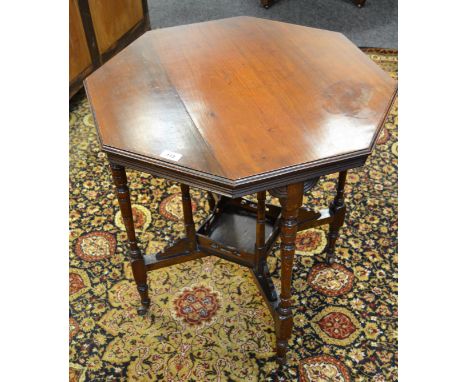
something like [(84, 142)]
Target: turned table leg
[(338, 209), (260, 226), (188, 216), (261, 268), (290, 209), (136, 258)]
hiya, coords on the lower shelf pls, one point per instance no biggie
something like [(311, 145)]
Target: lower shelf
[(237, 228)]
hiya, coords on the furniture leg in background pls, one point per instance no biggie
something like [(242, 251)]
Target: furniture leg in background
[(359, 3)]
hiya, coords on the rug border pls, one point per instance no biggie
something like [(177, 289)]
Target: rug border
[(379, 50)]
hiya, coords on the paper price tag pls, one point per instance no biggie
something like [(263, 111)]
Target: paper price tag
[(166, 154)]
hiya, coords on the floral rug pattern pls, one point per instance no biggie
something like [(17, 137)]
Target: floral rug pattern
[(207, 321)]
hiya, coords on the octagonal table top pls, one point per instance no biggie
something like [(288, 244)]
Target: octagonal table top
[(239, 105)]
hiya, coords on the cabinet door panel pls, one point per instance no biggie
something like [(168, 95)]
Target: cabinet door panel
[(113, 18), (79, 56)]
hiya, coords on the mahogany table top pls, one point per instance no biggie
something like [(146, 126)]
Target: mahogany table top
[(239, 105)]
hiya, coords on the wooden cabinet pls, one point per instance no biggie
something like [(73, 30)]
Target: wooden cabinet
[(80, 58), (98, 30)]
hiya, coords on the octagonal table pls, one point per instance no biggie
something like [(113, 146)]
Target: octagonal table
[(240, 106)]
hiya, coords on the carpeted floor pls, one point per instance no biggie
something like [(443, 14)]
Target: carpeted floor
[(345, 315), (376, 24)]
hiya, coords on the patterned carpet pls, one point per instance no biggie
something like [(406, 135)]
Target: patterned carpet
[(207, 321)]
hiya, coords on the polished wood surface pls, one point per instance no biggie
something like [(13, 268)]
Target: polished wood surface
[(245, 111)]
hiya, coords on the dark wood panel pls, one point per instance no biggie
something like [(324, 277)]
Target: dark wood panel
[(116, 30), (127, 38), (79, 56), (113, 18)]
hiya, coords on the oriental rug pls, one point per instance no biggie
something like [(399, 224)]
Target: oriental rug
[(207, 321)]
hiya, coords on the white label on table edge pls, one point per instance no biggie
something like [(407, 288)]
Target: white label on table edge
[(170, 155)]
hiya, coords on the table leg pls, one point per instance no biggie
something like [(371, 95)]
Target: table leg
[(290, 210), (188, 216), (338, 209), (260, 227), (261, 268), (136, 258), (211, 201)]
